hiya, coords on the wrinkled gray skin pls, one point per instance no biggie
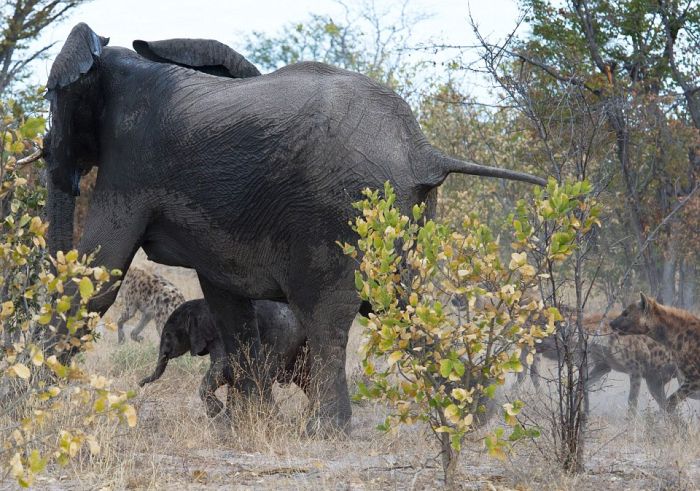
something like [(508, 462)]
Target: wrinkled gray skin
[(249, 180), (191, 327)]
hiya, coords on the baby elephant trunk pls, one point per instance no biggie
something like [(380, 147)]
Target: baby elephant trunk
[(162, 363)]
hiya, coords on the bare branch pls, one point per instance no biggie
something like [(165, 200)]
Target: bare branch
[(555, 74)]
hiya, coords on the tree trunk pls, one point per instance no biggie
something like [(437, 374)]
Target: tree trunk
[(668, 277), (449, 461), (615, 111), (688, 283)]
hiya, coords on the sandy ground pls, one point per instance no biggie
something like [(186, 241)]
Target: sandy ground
[(175, 446)]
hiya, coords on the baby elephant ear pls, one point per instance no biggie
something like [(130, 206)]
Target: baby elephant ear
[(199, 330), (76, 58), (204, 55)]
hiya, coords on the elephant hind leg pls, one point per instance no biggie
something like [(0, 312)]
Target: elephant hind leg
[(327, 323)]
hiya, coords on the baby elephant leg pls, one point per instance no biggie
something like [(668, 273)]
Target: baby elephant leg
[(213, 379)]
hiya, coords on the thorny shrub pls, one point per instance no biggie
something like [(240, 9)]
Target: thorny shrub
[(442, 365), (43, 315)]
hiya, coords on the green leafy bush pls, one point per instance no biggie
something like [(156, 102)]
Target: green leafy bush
[(442, 363), (41, 386)]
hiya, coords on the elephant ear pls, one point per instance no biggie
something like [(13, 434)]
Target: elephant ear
[(202, 329), (76, 58), (204, 55)]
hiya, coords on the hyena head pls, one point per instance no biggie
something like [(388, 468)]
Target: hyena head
[(638, 318)]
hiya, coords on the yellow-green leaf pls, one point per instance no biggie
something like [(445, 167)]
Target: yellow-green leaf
[(86, 288), (452, 413), (394, 357), (20, 370), (36, 463), (130, 415)]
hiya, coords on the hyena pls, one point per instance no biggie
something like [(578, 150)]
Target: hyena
[(676, 329), (637, 356), (148, 293)]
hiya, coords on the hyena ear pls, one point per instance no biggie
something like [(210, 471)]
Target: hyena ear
[(645, 303)]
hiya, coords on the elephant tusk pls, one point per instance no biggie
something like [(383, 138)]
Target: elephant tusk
[(31, 158)]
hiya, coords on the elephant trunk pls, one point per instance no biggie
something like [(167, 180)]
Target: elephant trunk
[(160, 368), (441, 166), (60, 208)]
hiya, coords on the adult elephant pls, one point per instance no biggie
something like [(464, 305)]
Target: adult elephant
[(247, 180)]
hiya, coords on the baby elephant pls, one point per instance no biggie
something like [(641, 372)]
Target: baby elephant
[(191, 328)]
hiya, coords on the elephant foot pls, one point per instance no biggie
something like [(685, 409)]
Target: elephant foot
[(213, 406), (318, 427), (325, 424)]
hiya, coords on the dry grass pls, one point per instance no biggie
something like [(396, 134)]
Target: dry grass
[(175, 446)]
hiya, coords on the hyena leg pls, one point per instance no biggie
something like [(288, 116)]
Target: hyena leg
[(657, 390), (535, 370), (136, 333), (635, 384), (127, 313), (682, 393), (522, 374), (594, 375)]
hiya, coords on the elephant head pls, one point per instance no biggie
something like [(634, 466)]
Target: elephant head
[(189, 328), (76, 95), (71, 146)]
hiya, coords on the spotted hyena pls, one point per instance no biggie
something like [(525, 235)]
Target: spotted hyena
[(676, 329), (636, 356), (148, 293)]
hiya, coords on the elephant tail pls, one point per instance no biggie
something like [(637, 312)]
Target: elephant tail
[(160, 368), (446, 165)]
